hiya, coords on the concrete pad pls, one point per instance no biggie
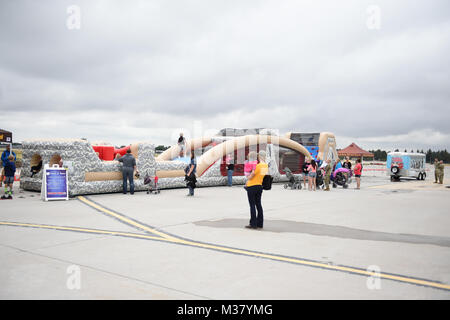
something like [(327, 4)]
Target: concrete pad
[(198, 274), (28, 207), (28, 275), (398, 230)]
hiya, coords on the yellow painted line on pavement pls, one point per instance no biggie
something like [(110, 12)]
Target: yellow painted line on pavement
[(318, 264), (400, 278), (172, 239), (76, 229), (125, 219)]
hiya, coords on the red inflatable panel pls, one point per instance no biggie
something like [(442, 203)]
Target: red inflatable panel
[(99, 149), (121, 151), (108, 153)]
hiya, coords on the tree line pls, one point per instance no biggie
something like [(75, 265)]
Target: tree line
[(381, 155)]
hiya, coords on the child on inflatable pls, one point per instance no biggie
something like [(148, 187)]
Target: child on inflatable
[(250, 164)]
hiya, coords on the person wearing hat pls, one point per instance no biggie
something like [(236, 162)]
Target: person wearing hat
[(128, 168)]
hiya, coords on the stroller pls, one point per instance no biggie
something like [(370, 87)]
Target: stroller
[(339, 177), (294, 182), (319, 179), (152, 184)]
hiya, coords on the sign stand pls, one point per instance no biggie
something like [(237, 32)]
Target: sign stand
[(54, 183)]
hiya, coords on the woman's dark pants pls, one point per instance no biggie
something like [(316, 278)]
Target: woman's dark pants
[(254, 194), (230, 177), (127, 173)]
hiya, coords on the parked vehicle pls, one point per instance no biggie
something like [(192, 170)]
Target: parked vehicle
[(405, 164)]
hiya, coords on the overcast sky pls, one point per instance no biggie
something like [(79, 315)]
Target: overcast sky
[(146, 70)]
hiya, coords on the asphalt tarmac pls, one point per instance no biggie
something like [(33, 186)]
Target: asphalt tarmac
[(389, 240)]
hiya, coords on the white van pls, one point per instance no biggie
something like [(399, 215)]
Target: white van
[(405, 164)]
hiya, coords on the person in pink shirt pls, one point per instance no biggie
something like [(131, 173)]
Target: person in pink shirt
[(357, 171), (312, 169), (250, 164)]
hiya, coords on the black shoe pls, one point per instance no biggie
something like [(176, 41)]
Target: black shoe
[(259, 227), (250, 227)]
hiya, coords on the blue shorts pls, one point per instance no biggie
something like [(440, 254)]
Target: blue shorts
[(9, 180), (312, 174)]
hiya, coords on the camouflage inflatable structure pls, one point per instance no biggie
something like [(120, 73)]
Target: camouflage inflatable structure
[(90, 173)]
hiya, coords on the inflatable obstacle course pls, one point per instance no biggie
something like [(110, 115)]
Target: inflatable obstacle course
[(94, 168)]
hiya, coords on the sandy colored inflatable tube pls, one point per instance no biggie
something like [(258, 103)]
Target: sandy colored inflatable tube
[(174, 151), (134, 150), (116, 175), (217, 152), (170, 173), (103, 176), (327, 140)]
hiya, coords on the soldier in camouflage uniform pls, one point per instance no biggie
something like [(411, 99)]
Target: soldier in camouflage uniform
[(436, 170), (441, 167), (327, 176)]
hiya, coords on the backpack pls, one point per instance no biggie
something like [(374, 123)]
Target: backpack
[(267, 182)]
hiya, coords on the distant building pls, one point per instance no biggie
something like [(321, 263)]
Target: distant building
[(354, 151), (5, 136)]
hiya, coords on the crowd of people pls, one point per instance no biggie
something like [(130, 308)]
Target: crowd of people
[(311, 168), (255, 170)]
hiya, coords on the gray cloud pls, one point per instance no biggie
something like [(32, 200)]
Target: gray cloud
[(152, 67)]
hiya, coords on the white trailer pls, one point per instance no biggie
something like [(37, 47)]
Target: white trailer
[(405, 164)]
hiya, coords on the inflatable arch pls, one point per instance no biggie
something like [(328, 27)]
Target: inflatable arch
[(174, 151), (324, 143), (220, 150)]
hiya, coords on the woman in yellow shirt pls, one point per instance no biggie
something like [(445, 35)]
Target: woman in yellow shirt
[(254, 192)]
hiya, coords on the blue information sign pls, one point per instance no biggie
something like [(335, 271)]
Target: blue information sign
[(56, 184)]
